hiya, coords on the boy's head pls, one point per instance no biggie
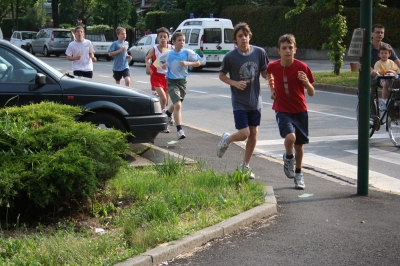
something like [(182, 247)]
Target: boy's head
[(287, 46), (384, 52), (178, 39), (162, 34), (121, 33), (79, 28), (79, 33), (241, 26)]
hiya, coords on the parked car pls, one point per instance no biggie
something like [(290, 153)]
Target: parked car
[(100, 45), (139, 50), (1, 35), (22, 38), (26, 79), (51, 41)]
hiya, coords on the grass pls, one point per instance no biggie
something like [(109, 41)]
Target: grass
[(346, 78), (138, 210)]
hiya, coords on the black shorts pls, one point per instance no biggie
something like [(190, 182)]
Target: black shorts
[(293, 123), (85, 74), (119, 74)]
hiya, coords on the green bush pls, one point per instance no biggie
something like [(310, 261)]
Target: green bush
[(50, 160), (153, 20)]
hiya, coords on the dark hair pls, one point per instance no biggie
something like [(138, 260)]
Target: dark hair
[(385, 47), (162, 29), (243, 27), (287, 38), (176, 35), (377, 26)]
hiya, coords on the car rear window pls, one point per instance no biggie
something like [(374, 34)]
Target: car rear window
[(212, 35), (228, 35), (62, 34)]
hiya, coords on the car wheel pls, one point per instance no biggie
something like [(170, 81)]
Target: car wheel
[(108, 58), (30, 49), (105, 121), (46, 52), (131, 62)]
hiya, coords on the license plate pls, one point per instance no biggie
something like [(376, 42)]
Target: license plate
[(64, 42), (212, 58), (102, 48)]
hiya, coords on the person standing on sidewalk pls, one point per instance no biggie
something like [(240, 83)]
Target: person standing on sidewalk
[(81, 53), (244, 66), (118, 50), (177, 62), (288, 77), (158, 80)]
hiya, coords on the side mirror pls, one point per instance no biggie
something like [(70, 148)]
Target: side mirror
[(40, 79)]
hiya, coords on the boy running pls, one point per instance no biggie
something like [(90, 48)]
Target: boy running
[(157, 73), (244, 65), (118, 50), (292, 77), (177, 62), (81, 53)]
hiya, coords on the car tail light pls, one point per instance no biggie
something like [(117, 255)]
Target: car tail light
[(201, 43), (52, 35)]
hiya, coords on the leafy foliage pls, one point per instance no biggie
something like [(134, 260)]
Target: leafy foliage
[(50, 160)]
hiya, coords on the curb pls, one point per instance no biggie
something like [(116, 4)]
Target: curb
[(335, 88), (172, 249)]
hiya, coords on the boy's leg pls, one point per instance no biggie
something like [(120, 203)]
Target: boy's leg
[(299, 149), (127, 81), (177, 112), (382, 105), (117, 76), (163, 97), (290, 139), (251, 144)]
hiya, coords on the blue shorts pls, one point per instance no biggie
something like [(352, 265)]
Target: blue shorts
[(293, 123), (85, 74), (119, 74), (245, 118)]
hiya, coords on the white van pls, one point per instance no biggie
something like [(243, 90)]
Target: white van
[(210, 38)]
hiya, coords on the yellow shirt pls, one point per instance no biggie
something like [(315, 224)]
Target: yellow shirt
[(388, 65)]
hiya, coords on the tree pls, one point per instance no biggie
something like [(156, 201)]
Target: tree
[(334, 21), (115, 12), (36, 15)]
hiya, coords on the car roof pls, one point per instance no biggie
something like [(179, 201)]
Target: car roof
[(59, 29), (24, 31)]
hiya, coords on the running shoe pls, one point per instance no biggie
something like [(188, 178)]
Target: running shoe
[(288, 166), (170, 118), (299, 181), (181, 134), (247, 170), (382, 106), (223, 145)]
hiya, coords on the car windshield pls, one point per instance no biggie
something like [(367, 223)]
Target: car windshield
[(62, 34), (28, 35)]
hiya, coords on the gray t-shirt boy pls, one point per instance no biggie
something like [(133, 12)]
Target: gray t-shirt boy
[(246, 67)]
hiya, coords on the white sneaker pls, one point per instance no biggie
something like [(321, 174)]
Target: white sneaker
[(299, 181), (288, 166), (247, 170), (170, 118), (181, 134), (166, 130), (223, 145), (383, 106)]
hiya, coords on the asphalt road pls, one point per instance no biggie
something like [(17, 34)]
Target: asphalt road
[(333, 126)]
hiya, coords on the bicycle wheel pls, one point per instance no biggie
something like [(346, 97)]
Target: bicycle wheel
[(374, 122), (393, 124)]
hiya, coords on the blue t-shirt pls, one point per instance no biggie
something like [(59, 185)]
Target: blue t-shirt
[(120, 60), (173, 59), (246, 67)]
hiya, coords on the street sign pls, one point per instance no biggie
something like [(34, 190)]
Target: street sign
[(357, 43)]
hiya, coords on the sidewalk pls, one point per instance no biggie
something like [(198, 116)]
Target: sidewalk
[(326, 224)]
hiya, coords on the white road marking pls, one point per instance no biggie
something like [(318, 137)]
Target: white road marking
[(139, 81), (381, 155), (104, 76), (376, 179), (199, 91), (320, 139)]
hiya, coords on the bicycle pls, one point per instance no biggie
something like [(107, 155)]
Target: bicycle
[(391, 117)]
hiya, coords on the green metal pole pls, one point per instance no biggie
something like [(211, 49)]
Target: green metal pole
[(364, 100)]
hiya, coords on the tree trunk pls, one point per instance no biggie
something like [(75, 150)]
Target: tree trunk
[(54, 11)]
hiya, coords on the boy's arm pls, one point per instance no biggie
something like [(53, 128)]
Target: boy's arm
[(240, 85), (147, 60), (193, 64), (271, 83), (304, 79)]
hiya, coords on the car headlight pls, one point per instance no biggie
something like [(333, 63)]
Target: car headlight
[(157, 105)]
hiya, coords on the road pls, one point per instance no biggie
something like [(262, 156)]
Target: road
[(333, 127)]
